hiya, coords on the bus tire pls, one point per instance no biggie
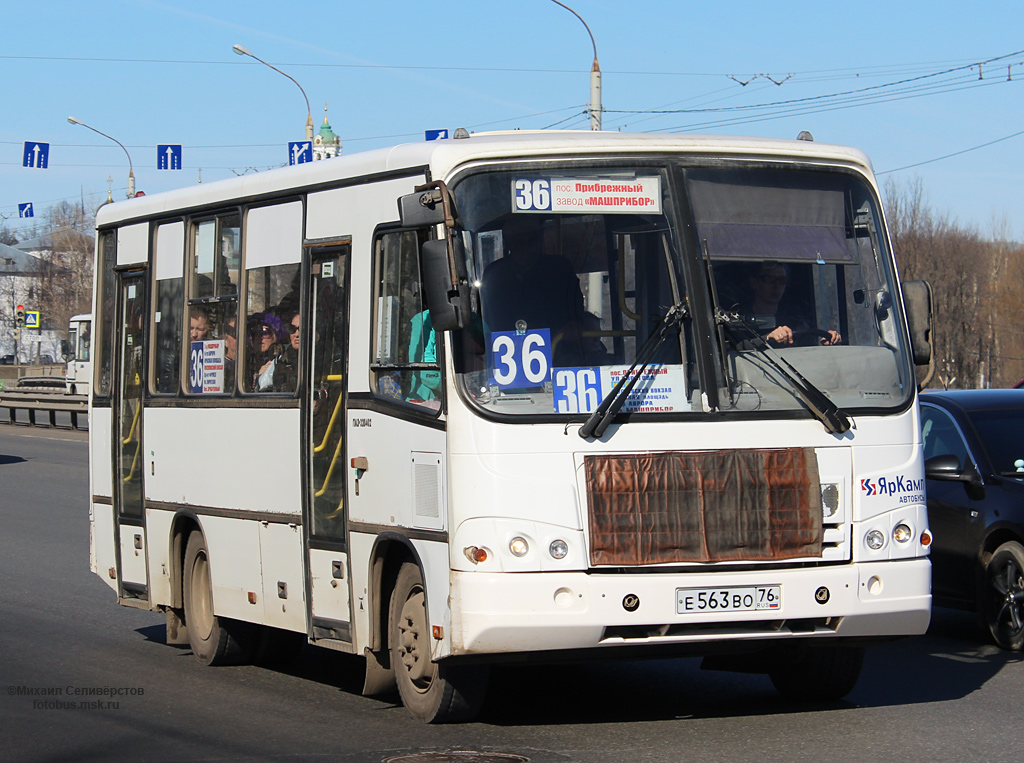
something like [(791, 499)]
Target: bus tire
[(214, 640), (817, 673), (432, 692)]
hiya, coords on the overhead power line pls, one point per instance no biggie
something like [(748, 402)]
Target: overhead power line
[(955, 153)]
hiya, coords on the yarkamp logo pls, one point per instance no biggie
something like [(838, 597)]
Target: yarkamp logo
[(907, 489)]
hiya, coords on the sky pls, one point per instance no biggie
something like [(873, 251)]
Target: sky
[(931, 91)]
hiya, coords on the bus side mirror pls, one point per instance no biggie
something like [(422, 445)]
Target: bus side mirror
[(421, 209), (64, 353), (447, 296), (917, 301)]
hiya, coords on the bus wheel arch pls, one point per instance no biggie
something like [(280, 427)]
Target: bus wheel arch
[(433, 692), (390, 552), (214, 640)]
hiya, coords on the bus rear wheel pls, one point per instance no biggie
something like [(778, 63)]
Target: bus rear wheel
[(816, 673), (431, 692), (214, 640)]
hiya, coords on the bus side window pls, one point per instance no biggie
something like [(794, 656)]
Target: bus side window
[(169, 304), (213, 285), (105, 294), (273, 250), (405, 365)]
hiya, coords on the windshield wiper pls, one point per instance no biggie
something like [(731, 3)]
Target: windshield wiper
[(616, 398), (834, 418)]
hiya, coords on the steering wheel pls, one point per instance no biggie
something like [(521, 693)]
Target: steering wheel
[(810, 337)]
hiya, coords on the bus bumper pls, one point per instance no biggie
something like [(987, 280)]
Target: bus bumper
[(495, 613)]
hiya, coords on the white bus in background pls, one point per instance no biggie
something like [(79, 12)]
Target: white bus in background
[(516, 396), (77, 353)]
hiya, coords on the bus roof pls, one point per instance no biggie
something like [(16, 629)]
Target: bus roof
[(442, 156)]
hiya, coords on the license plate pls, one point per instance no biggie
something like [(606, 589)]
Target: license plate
[(740, 599)]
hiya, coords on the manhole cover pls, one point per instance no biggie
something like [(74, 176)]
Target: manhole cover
[(459, 756)]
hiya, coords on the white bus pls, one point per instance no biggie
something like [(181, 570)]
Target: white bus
[(515, 396), (77, 353)]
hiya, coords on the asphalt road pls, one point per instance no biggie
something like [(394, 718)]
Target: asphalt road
[(947, 696)]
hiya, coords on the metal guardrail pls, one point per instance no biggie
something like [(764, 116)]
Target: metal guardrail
[(50, 403)]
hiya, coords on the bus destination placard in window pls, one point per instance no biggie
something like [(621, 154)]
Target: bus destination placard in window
[(613, 195), (206, 367)]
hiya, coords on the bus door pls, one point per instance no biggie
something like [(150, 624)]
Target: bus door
[(326, 499), (129, 456)]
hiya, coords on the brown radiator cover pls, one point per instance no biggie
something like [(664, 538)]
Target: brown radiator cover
[(704, 506)]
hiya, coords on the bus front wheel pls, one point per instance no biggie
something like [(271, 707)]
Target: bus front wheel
[(214, 640), (431, 692)]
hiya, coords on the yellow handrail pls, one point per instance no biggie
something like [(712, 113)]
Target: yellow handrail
[(135, 423), (330, 469), (334, 415)]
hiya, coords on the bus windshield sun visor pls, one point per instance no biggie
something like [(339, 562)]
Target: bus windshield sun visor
[(616, 398), (835, 419)]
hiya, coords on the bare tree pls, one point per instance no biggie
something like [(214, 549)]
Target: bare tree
[(974, 342), (65, 287)]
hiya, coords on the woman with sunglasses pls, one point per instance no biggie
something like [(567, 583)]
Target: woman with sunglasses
[(265, 333), (285, 368)]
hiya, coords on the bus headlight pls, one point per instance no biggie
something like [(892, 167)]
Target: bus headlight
[(902, 533), (558, 549), (519, 547), (874, 539)]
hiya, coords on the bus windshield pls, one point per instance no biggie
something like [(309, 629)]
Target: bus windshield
[(573, 269)]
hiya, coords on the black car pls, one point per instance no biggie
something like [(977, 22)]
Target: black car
[(974, 464)]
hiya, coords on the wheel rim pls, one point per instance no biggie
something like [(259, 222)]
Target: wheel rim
[(413, 649), (201, 616), (1006, 610)]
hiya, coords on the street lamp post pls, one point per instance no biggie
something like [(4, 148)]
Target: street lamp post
[(131, 170), (595, 75), (244, 51)]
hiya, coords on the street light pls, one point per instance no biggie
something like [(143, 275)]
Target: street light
[(131, 171), (595, 75), (244, 51)]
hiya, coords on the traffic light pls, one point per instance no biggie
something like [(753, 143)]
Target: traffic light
[(19, 317), (17, 335)]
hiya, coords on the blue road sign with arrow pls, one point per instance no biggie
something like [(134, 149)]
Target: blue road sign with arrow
[(300, 151), (168, 156), (37, 155), (435, 134), (25, 210)]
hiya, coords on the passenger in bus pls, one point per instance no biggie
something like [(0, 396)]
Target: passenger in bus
[(281, 374), (425, 385), (198, 323), (528, 289), (765, 312), (265, 332)]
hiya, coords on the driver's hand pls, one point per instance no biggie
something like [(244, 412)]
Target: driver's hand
[(781, 335), (832, 338)]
